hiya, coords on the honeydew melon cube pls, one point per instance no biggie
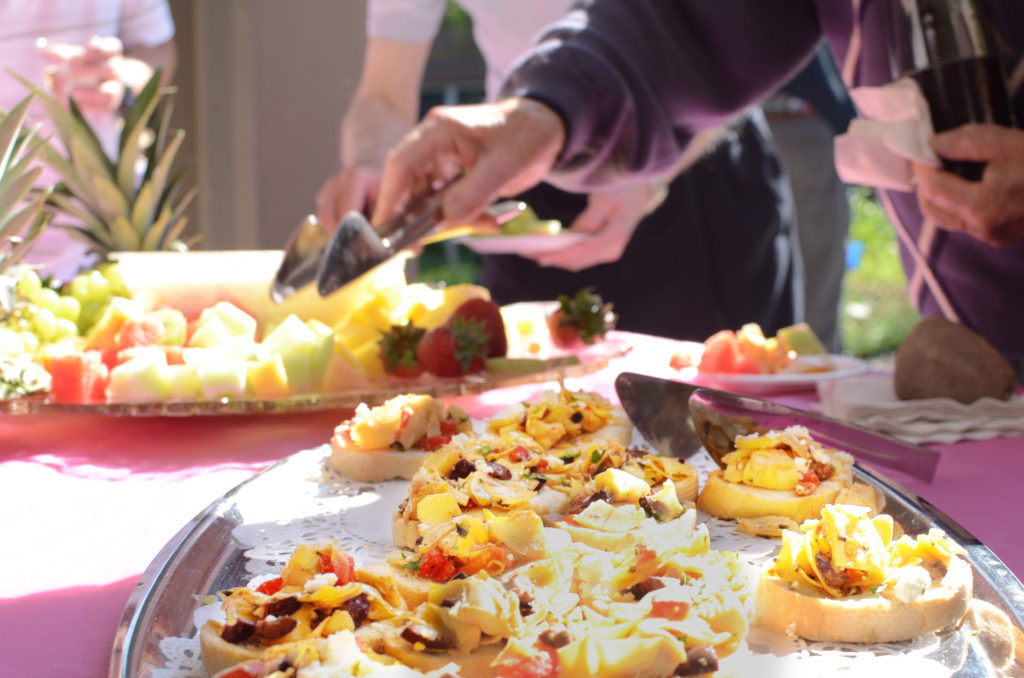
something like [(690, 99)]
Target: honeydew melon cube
[(196, 355), (211, 333), (144, 378), (237, 322), (175, 326), (322, 352), (341, 374), (297, 344), (183, 381), (267, 378), (222, 379), (243, 348)]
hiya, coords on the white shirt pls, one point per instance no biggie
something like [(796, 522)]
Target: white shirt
[(503, 29)]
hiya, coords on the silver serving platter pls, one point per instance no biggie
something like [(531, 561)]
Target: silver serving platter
[(204, 557)]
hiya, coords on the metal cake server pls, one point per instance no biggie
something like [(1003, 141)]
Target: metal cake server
[(677, 418)]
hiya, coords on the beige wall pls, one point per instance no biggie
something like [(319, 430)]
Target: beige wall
[(263, 84)]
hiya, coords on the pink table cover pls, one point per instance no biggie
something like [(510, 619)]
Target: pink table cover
[(86, 503)]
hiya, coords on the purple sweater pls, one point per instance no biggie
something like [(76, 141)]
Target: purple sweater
[(635, 79)]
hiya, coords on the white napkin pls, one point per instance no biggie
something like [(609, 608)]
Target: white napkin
[(877, 149), (871, 401)]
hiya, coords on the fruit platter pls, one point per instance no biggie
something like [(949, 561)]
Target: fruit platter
[(186, 333)]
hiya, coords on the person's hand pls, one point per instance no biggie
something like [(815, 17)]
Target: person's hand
[(991, 210), (501, 149), (610, 218), (93, 74), (353, 188)]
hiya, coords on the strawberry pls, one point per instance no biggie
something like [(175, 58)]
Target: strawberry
[(398, 350), (489, 313), (453, 349), (584, 317)]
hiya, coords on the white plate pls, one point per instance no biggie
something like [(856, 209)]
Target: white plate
[(522, 244), (842, 366)]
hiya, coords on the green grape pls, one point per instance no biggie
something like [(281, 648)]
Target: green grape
[(66, 328), (98, 287), (79, 288), (30, 340), (47, 298), (112, 273), (29, 284), (68, 308), (44, 321)]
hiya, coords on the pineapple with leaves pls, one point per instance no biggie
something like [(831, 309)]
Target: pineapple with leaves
[(22, 220), (115, 206)]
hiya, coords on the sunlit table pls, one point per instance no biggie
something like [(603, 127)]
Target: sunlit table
[(86, 503)]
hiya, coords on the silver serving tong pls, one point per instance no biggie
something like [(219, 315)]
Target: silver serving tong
[(356, 246)]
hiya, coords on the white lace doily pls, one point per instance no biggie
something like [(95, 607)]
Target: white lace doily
[(305, 501)]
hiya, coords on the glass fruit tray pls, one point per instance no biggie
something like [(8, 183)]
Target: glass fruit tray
[(591, 359), (252, 530)]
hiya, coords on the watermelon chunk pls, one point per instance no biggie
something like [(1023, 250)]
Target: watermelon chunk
[(79, 377)]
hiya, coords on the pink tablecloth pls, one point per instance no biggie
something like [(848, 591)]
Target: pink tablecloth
[(87, 502)]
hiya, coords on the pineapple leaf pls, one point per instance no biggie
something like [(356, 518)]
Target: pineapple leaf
[(143, 209), (39, 222), (183, 204), (75, 210), (172, 237), (162, 126), (109, 198), (12, 189), (67, 124), (127, 238), (88, 237), (23, 217), (141, 108), (130, 140), (153, 239), (10, 131), (161, 189), (89, 136)]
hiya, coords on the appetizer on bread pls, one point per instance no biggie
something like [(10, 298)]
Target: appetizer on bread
[(779, 473), (844, 578), (392, 440), (566, 418)]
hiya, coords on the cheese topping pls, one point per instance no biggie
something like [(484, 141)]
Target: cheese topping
[(785, 460)]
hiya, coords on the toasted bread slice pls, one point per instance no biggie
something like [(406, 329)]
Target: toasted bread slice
[(723, 499)]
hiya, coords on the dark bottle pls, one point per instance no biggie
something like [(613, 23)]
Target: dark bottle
[(954, 50)]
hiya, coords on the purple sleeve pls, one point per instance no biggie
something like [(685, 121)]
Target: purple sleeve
[(634, 80)]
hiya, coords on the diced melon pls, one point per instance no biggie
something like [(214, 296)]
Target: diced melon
[(211, 333), (296, 343), (801, 339), (119, 311), (175, 327), (341, 374), (236, 321), (183, 382), (267, 378), (142, 379), (146, 331), (222, 379)]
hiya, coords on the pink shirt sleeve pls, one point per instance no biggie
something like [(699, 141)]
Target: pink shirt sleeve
[(145, 23)]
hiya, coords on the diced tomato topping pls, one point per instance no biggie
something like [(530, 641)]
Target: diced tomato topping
[(270, 587), (436, 566), (543, 664), (669, 609), (403, 421), (249, 670), (340, 564), (644, 554), (519, 453), (809, 482), (449, 426), (430, 443), (678, 361), (542, 464)]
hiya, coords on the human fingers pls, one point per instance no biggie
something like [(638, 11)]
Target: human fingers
[(979, 142), (990, 210), (353, 188), (518, 143), (103, 48), (104, 98), (57, 53)]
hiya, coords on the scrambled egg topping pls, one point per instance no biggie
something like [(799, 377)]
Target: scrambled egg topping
[(555, 417), (847, 552), (785, 460)]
